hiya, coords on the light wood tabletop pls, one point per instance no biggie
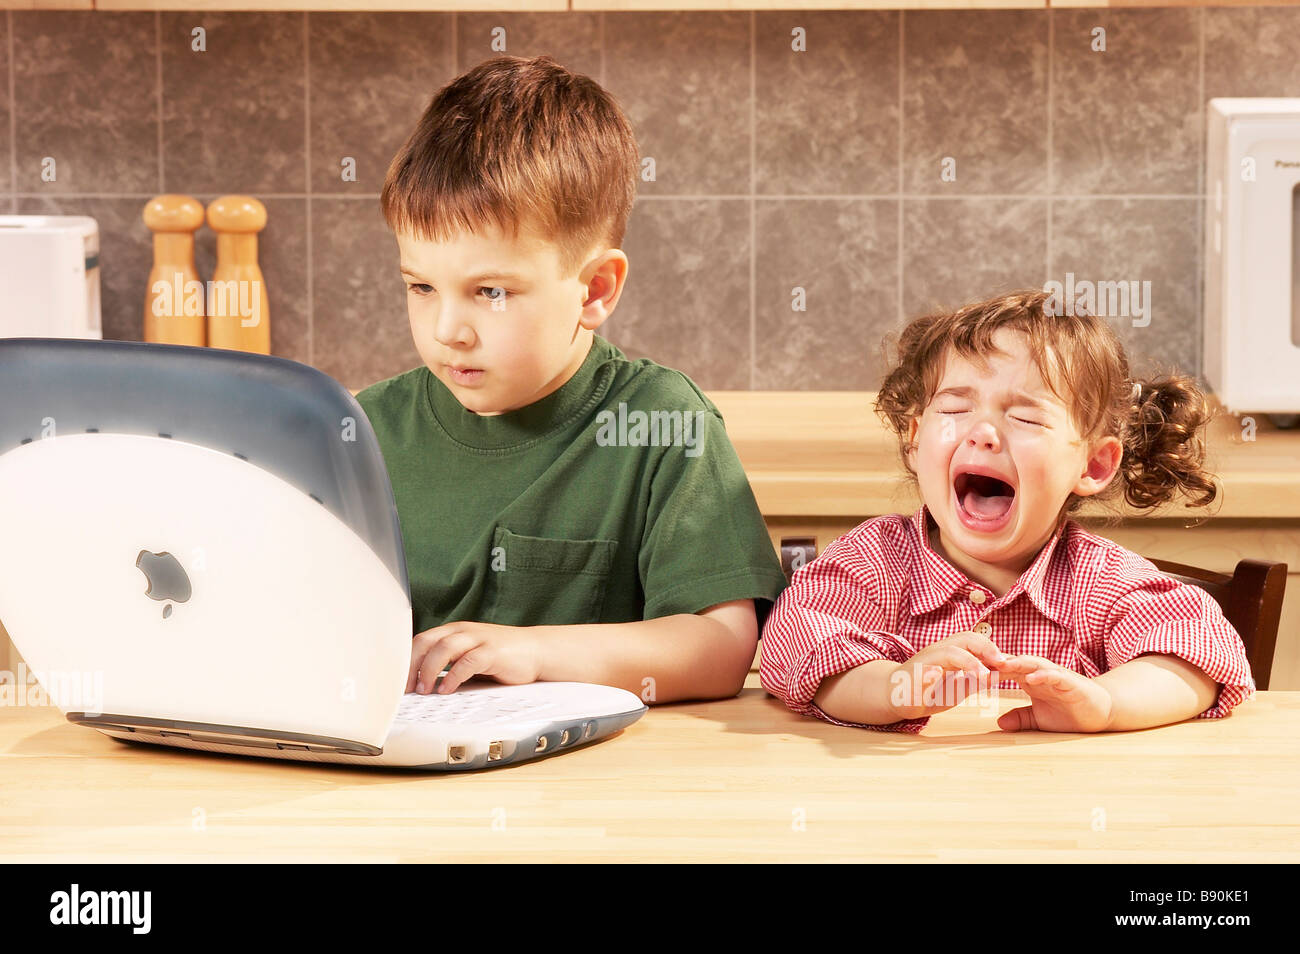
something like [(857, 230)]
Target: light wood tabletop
[(743, 779)]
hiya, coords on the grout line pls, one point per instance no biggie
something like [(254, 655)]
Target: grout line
[(197, 195), (765, 197), (938, 197), (753, 205), (13, 117), (1051, 122), (158, 85), (1051, 105), (901, 195), (1200, 189), (306, 94)]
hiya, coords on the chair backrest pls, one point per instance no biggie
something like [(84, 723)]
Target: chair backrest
[(1251, 599)]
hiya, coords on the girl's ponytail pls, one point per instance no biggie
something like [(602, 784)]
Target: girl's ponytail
[(1164, 453)]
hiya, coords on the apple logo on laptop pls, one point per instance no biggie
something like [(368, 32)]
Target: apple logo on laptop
[(167, 578)]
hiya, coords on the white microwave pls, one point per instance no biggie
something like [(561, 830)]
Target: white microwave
[(49, 277), (1252, 241)]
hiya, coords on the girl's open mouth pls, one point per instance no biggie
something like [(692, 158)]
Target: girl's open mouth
[(984, 504)]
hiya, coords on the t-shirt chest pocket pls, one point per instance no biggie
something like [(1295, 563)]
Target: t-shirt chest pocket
[(537, 581)]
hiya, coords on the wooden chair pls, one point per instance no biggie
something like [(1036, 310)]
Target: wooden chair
[(1251, 599)]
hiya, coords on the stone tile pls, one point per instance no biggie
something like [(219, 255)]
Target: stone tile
[(85, 96), (975, 90), (822, 122), (1143, 240), (572, 39), (6, 106), (1252, 51), (683, 80), (360, 330), (957, 251), (686, 301), (827, 117), (1126, 119), (372, 76), (843, 254), (233, 115)]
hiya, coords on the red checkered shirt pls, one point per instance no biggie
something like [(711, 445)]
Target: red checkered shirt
[(1086, 603)]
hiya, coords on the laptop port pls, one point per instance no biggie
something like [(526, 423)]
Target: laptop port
[(541, 744), (564, 737), (588, 729), (456, 754), (494, 751)]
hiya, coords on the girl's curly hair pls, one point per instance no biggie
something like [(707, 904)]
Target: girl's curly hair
[(1158, 420)]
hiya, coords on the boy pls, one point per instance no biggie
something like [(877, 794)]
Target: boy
[(567, 514)]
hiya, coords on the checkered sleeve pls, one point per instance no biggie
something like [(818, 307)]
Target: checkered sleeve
[(831, 618), (1153, 613)]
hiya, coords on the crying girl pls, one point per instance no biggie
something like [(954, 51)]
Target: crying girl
[(1008, 417)]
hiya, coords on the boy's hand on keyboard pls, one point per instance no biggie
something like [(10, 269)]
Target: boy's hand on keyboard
[(1062, 700), (508, 654), (942, 674)]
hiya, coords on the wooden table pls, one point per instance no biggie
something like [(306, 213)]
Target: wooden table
[(739, 780)]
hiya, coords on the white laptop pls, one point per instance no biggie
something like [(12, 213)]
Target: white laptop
[(200, 548)]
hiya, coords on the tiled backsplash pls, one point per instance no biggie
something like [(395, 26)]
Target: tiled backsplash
[(821, 170)]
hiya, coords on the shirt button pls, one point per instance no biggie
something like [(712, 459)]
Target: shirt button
[(977, 597), (983, 628)]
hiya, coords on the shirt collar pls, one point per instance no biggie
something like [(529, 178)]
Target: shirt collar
[(934, 581), (525, 426)]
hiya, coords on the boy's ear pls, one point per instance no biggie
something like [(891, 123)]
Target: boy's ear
[(911, 440), (604, 279), (1102, 466)]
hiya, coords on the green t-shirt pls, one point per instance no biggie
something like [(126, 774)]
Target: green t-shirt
[(616, 498)]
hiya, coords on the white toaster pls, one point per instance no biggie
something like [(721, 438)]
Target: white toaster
[(49, 277)]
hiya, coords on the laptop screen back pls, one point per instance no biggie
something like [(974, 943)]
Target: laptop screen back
[(204, 535)]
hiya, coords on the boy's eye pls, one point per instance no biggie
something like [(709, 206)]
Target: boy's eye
[(1023, 421), (491, 292)]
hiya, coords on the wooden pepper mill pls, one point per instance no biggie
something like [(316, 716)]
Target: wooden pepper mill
[(239, 316), (173, 300)]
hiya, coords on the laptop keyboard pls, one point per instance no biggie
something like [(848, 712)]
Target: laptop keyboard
[(480, 706)]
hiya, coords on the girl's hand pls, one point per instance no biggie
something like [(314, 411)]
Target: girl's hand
[(1062, 699), (942, 674), (508, 654)]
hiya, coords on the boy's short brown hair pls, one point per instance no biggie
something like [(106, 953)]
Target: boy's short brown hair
[(523, 144)]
